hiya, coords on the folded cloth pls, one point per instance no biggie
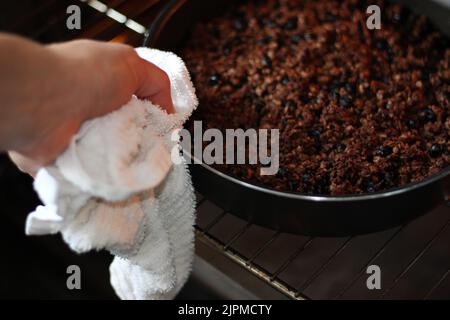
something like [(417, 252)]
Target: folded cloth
[(116, 188)]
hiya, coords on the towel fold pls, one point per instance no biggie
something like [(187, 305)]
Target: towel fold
[(116, 188)]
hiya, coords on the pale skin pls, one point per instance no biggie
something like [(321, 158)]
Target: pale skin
[(47, 92)]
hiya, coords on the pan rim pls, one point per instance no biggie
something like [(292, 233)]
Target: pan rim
[(329, 198)]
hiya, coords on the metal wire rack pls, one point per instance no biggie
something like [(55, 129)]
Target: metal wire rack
[(248, 262), (371, 249)]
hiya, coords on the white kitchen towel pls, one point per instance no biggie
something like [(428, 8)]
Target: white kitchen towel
[(116, 188)]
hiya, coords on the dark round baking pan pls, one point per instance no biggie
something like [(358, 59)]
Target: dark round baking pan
[(313, 215)]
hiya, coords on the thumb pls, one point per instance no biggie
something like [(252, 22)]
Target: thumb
[(153, 84)]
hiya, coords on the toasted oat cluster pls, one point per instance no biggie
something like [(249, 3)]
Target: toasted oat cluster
[(358, 110)]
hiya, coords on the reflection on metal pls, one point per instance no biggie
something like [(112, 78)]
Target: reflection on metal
[(115, 15)]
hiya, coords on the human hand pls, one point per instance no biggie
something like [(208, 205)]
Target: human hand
[(84, 79)]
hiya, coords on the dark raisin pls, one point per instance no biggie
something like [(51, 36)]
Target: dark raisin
[(281, 42), (291, 105), (216, 33), (237, 12), (214, 79), (369, 186), (429, 69), (296, 38), (285, 79), (410, 123), (265, 40), (240, 25), (341, 147), (293, 184), (400, 16), (350, 88), (344, 101), (389, 177), (428, 115), (265, 92), (331, 37), (334, 91), (317, 112), (323, 185), (250, 95), (227, 47), (240, 83), (382, 45), (383, 151), (306, 177), (435, 150), (259, 105), (427, 28), (391, 54), (237, 40), (304, 98), (267, 62), (261, 22), (310, 36), (329, 17), (281, 173), (318, 145), (314, 133), (267, 22), (361, 35), (424, 75), (291, 24)]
